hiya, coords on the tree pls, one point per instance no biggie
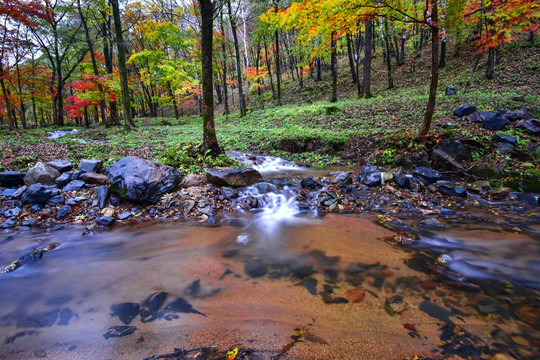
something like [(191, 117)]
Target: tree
[(126, 99), (210, 143)]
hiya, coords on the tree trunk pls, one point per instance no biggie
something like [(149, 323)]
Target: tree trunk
[(6, 99), (333, 55), (366, 81), (224, 68), (490, 64), (210, 142), (241, 95), (107, 54), (428, 115), (319, 72), (388, 60), (126, 102), (269, 67), (257, 61), (351, 59), (102, 107)]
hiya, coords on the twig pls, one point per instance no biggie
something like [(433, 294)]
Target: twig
[(179, 353)]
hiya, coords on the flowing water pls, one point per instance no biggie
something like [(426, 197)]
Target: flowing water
[(254, 278)]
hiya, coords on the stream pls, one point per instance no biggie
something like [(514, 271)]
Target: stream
[(253, 278)]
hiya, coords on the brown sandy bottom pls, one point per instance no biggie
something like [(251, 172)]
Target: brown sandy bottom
[(260, 313)]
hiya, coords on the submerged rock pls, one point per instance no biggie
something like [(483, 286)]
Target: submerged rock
[(150, 307), (126, 312), (255, 268), (119, 331), (431, 224), (141, 180), (41, 173)]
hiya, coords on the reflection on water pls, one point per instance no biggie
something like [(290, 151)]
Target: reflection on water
[(145, 289)]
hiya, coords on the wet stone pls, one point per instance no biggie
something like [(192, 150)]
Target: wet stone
[(180, 305), (310, 184), (56, 200), (62, 213), (39, 193), (431, 224), (431, 176), (119, 331), (302, 271), (12, 212), (11, 178), (103, 193), (41, 174), (369, 175), (9, 223), (355, 295), (125, 215), (126, 312), (30, 222), (19, 193), (65, 315), (39, 320), (495, 123), (150, 307), (94, 178), (403, 181), (255, 269), (105, 220), (464, 110)]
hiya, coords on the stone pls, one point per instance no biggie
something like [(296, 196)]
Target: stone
[(441, 160), (62, 213), (500, 192), (125, 215), (464, 110), (310, 184), (91, 166), (103, 193), (495, 123), (386, 177), (30, 222), (504, 148), (403, 182), (510, 115), (343, 179), (119, 331), (479, 186), (431, 224), (355, 295), (419, 158), (39, 193), (61, 165), (526, 198), (12, 212), (41, 173), (233, 177), (105, 220), (150, 307), (11, 178), (142, 180), (115, 200), (94, 178), (74, 185), (451, 90), (518, 98), (56, 200), (19, 193), (9, 223), (369, 175), (126, 312), (524, 114), (531, 125), (12, 203), (474, 117), (455, 149), (255, 268), (451, 191), (8, 192), (505, 139), (431, 176), (63, 179), (194, 180), (229, 193)]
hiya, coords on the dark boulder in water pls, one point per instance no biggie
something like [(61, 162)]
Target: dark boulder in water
[(233, 177), (150, 307), (255, 269), (119, 331), (181, 306), (126, 312)]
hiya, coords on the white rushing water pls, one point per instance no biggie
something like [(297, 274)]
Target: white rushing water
[(53, 135), (278, 209)]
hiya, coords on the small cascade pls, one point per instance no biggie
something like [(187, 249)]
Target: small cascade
[(53, 135), (275, 204)]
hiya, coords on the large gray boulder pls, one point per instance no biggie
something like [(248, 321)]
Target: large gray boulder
[(141, 180), (233, 177), (369, 175), (41, 173)]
